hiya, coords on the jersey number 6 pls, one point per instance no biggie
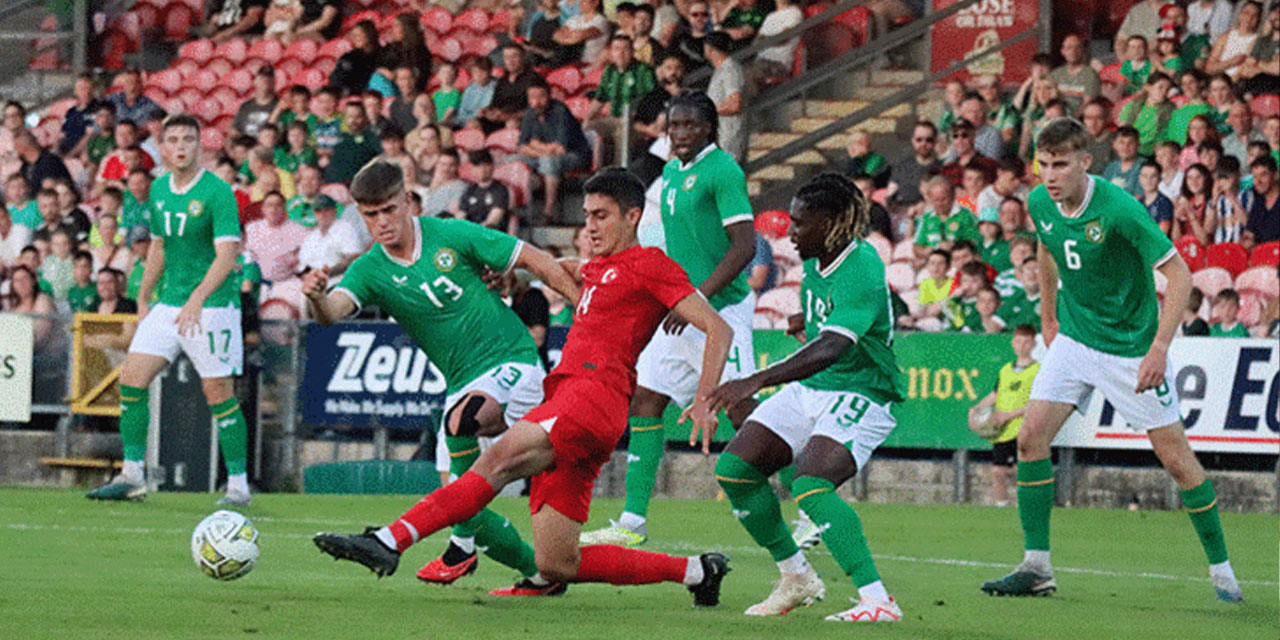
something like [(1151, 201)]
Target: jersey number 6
[(1073, 258)]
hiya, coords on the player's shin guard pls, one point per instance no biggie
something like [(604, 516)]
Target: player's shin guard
[(643, 455), (1202, 505), (135, 418), (463, 452), (755, 505), (843, 535), (461, 500), (233, 435), (502, 542), (622, 566), (1035, 502)]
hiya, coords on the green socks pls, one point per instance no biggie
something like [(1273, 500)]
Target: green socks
[(843, 535), (755, 505), (499, 540), (643, 455), (233, 434), (135, 418), (1202, 505), (1035, 502), (463, 452)]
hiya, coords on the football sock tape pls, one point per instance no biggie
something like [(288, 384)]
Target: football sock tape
[(755, 505)]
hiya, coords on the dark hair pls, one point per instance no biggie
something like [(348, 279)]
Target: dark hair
[(843, 202), (981, 168), (328, 91), (1157, 76), (377, 182), (926, 124), (1194, 299), (720, 41), (625, 7), (645, 8), (975, 268), (244, 141), (299, 124), (177, 120), (702, 105), (1228, 167), (946, 257), (1024, 330), (1136, 37), (481, 156), (1208, 180), (370, 33), (115, 273), (79, 255), (127, 122), (1128, 132), (964, 125), (1012, 165), (1266, 162), (619, 36), (1260, 145), (14, 103), (299, 90), (391, 132), (619, 185), (31, 248), (1063, 134), (538, 82), (1042, 59), (966, 245), (106, 106), (482, 63), (272, 193), (114, 192), (267, 126), (1227, 295), (47, 193), (992, 291)]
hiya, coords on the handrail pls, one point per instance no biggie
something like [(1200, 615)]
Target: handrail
[(760, 44), (808, 140), (853, 57), (14, 8)]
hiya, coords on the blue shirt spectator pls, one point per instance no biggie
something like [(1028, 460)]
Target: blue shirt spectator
[(762, 273), (1161, 209)]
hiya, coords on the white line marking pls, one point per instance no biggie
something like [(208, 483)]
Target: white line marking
[(674, 546)]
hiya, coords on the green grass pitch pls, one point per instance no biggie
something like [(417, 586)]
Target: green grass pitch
[(76, 569)]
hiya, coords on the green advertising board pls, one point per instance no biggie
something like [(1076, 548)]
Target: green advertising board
[(945, 375)]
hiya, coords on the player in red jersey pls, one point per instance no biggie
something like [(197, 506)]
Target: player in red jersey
[(627, 290)]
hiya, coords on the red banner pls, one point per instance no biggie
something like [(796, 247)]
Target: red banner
[(982, 26)]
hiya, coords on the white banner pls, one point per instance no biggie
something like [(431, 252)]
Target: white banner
[(17, 337), (1227, 389)]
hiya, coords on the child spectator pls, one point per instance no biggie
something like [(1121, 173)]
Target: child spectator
[(56, 268), (17, 199), (987, 306), (1125, 169), (477, 96), (101, 141), (1150, 112), (1168, 54), (1192, 324), (1010, 280), (994, 249), (296, 107), (297, 150), (447, 97), (1009, 399), (485, 202), (82, 296), (961, 309), (1189, 212), (862, 160), (1136, 67), (1226, 311), (936, 288), (953, 94), (1158, 205), (974, 178), (269, 136), (1170, 173), (1229, 215), (327, 128), (1200, 131), (1022, 305)]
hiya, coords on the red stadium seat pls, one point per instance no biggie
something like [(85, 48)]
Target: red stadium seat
[(148, 16), (1192, 252), (592, 80), (437, 19), (198, 51), (232, 50), (1252, 304), (450, 50), (178, 18), (578, 105), (313, 79), (325, 65), (356, 18), (506, 139), (567, 79), (1264, 280), (253, 64), (207, 110), (224, 122), (1110, 74), (115, 46), (1211, 280), (516, 176), (267, 49), (304, 51), (773, 224), (467, 171), (290, 67), (228, 98), (469, 139), (220, 67), (498, 22), (1265, 105), (155, 94), (239, 81), (858, 19), (334, 48), (477, 20), (480, 46), (336, 191), (190, 97), (204, 80), (59, 109), (1229, 256), (1265, 255), (186, 68)]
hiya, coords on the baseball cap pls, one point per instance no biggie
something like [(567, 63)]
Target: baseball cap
[(324, 202), (989, 214)]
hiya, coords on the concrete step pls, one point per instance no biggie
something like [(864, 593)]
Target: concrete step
[(899, 78), (874, 125), (549, 236), (804, 157), (753, 188), (775, 172)]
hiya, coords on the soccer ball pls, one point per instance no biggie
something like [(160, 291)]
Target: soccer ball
[(225, 545), (982, 425)]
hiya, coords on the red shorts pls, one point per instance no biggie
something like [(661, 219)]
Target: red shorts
[(584, 419)]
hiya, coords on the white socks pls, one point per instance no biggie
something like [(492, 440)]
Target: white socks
[(693, 573), (873, 591), (631, 522), (794, 565), (387, 539), (538, 581), (132, 472), (1222, 572), (238, 483), (1037, 559), (467, 545)]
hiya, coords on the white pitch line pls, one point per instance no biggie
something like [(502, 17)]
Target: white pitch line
[(684, 546)]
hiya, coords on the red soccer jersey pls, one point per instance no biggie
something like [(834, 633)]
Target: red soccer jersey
[(625, 296)]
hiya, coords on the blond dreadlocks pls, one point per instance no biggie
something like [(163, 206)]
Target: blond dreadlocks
[(843, 202)]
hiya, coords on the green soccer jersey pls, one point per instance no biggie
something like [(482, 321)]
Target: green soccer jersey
[(302, 210), (440, 300), (698, 202), (963, 313), (850, 298), (996, 254), (1105, 256), (83, 299), (191, 221), (933, 230), (1017, 309), (1218, 330)]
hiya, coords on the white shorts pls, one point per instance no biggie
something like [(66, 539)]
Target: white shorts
[(517, 386), (1071, 371), (671, 364), (797, 413), (216, 351)]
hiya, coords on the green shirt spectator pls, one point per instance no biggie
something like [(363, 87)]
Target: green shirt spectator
[(1180, 120), (960, 224), (83, 299), (618, 88), (1219, 330)]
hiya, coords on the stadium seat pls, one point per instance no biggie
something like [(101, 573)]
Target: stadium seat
[(228, 98), (337, 191), (167, 80), (498, 22), (186, 67), (592, 80), (220, 67), (148, 16), (468, 171), (1211, 280), (773, 224), (437, 19), (59, 109), (448, 49), (290, 67), (1252, 304), (325, 65), (304, 51), (578, 105), (189, 97), (356, 18), (477, 20), (224, 122), (212, 138), (1265, 255), (268, 50), (155, 94), (1110, 74), (480, 46), (516, 176), (204, 80), (858, 20), (786, 300), (197, 51), (904, 251), (1191, 251), (178, 18), (784, 252), (506, 140), (1265, 105), (232, 50), (313, 79), (1229, 256), (883, 247), (900, 276), (566, 79), (240, 81), (207, 110), (1264, 280), (116, 44), (334, 48), (469, 139)]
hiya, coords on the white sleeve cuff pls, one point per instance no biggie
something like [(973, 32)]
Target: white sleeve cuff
[(1168, 256), (221, 239), (515, 256), (743, 217)]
